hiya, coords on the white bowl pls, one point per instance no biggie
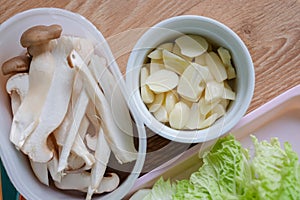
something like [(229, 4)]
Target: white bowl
[(15, 163), (215, 32)]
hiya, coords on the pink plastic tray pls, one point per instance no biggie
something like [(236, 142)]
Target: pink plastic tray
[(278, 118)]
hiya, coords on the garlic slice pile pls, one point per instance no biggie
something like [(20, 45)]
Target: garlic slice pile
[(186, 83)]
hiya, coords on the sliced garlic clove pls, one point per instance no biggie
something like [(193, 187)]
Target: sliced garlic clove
[(195, 117), (189, 83), (157, 103), (170, 101), (156, 54), (230, 73), (225, 56), (207, 76), (187, 102), (206, 107), (226, 59), (179, 116), (144, 75), (146, 93), (167, 46), (192, 45), (161, 114), (228, 94), (219, 109), (154, 66), (176, 50), (158, 61), (215, 66), (200, 59), (162, 81), (224, 103), (208, 121), (174, 63), (214, 91)]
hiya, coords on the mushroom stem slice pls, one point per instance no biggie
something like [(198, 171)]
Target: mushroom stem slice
[(120, 143), (81, 150), (83, 46), (91, 141), (76, 181), (74, 163), (112, 93), (70, 182), (102, 155), (79, 111), (17, 86), (56, 104), (26, 118), (41, 171), (108, 183)]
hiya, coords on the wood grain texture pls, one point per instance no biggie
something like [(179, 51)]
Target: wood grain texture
[(269, 28)]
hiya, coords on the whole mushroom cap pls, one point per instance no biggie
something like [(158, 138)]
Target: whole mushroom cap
[(37, 35)]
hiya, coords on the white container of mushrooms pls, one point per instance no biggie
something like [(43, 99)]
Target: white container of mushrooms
[(66, 129)]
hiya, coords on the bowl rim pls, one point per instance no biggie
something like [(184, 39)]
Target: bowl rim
[(178, 135), (25, 191)]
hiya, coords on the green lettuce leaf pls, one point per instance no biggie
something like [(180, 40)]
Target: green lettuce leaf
[(228, 172), (276, 170), (225, 173), (162, 190)]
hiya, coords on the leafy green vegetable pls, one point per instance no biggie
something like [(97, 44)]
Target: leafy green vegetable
[(228, 172), (277, 170), (162, 190)]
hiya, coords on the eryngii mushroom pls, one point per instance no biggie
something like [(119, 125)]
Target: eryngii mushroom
[(56, 104), (17, 87), (26, 119), (41, 171), (74, 163), (120, 143), (94, 117), (37, 35), (16, 64), (112, 93), (79, 148), (74, 181), (108, 183), (70, 126), (79, 112), (83, 46), (102, 155), (91, 141), (70, 182), (80, 158), (52, 165)]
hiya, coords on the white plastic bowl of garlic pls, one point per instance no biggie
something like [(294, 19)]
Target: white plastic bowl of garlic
[(191, 78), (49, 113)]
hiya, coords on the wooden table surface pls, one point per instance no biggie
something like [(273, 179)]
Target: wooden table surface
[(269, 28)]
